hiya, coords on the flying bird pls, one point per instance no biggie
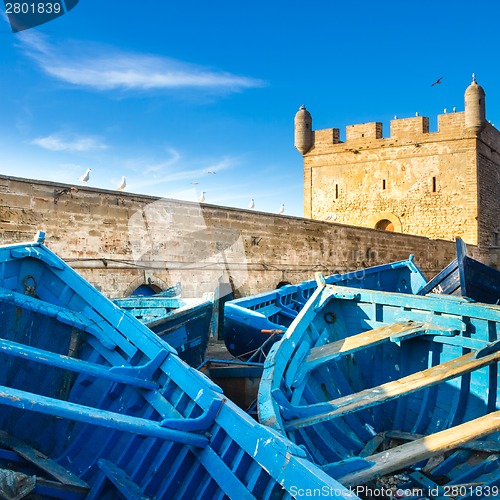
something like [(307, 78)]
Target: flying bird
[(202, 196), (282, 209), (122, 185), (86, 176), (252, 204), (195, 182), (211, 172), (437, 82)]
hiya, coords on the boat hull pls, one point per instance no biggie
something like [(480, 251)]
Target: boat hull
[(377, 384), (94, 405), (185, 324), (257, 322), (466, 277)]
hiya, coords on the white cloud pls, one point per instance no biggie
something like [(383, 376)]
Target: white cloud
[(176, 169), (161, 166), (106, 68), (61, 142)]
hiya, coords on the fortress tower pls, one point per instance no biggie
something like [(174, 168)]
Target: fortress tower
[(303, 130), (475, 107), (436, 184)]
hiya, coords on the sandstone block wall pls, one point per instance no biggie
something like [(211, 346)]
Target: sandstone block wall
[(119, 241), (488, 186), (440, 185)]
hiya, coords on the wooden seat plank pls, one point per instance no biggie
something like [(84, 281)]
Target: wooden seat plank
[(269, 310), (392, 390), (411, 453), (365, 339)]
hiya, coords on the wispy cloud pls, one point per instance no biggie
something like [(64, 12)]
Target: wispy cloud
[(101, 67), (176, 169), (155, 168), (62, 142)]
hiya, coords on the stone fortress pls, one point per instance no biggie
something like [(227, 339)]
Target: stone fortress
[(440, 184), (423, 188)]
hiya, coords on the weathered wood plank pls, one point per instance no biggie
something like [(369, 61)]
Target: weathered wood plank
[(408, 454), (121, 481), (362, 340), (488, 446), (392, 390)]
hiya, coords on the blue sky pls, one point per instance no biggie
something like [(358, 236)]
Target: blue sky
[(165, 92)]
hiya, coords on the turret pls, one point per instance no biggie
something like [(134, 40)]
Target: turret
[(475, 107), (303, 130)]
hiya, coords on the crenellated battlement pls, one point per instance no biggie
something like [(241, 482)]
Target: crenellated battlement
[(372, 130), (449, 124), (409, 127), (326, 136)]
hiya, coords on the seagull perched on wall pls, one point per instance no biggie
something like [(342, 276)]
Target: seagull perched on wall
[(86, 176), (252, 204), (122, 185), (202, 196), (282, 209), (437, 82)]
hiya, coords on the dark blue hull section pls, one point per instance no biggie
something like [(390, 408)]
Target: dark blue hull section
[(466, 277), (257, 322), (183, 323)]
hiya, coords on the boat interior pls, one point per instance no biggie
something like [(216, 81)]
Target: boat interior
[(374, 384)]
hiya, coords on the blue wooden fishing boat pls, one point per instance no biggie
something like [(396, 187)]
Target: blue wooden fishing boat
[(253, 324), (391, 391), (467, 277), (94, 405), (184, 323)]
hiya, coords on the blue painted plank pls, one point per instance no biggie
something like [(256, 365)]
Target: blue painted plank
[(73, 364), (62, 314), (73, 411), (41, 461), (121, 481)]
